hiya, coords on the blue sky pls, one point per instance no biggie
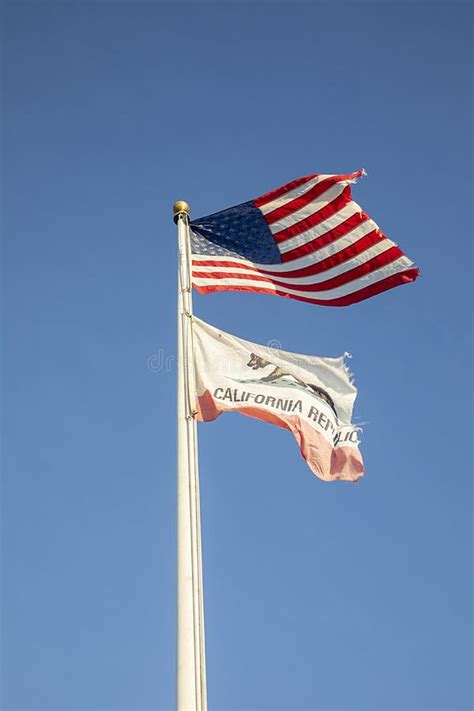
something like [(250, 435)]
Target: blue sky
[(318, 596)]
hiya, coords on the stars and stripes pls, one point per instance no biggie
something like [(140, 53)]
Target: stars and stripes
[(306, 240)]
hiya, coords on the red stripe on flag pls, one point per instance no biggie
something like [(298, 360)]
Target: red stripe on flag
[(278, 192)]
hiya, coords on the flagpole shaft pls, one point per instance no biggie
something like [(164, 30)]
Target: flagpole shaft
[(191, 673)]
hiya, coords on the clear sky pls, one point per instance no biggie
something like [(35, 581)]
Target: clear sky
[(318, 596)]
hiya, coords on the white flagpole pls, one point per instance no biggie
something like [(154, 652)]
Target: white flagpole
[(191, 666)]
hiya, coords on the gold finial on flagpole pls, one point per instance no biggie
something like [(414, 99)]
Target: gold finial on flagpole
[(179, 208)]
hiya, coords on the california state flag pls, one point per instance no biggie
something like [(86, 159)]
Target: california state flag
[(312, 397)]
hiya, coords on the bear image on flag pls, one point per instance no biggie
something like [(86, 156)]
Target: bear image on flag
[(313, 397)]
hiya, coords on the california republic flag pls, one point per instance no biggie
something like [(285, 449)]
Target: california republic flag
[(312, 397)]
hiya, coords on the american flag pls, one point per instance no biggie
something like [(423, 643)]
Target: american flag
[(307, 240)]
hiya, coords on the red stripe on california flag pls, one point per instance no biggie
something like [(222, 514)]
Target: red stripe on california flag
[(278, 192), (380, 260), (390, 282), (326, 461), (316, 218), (308, 197)]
